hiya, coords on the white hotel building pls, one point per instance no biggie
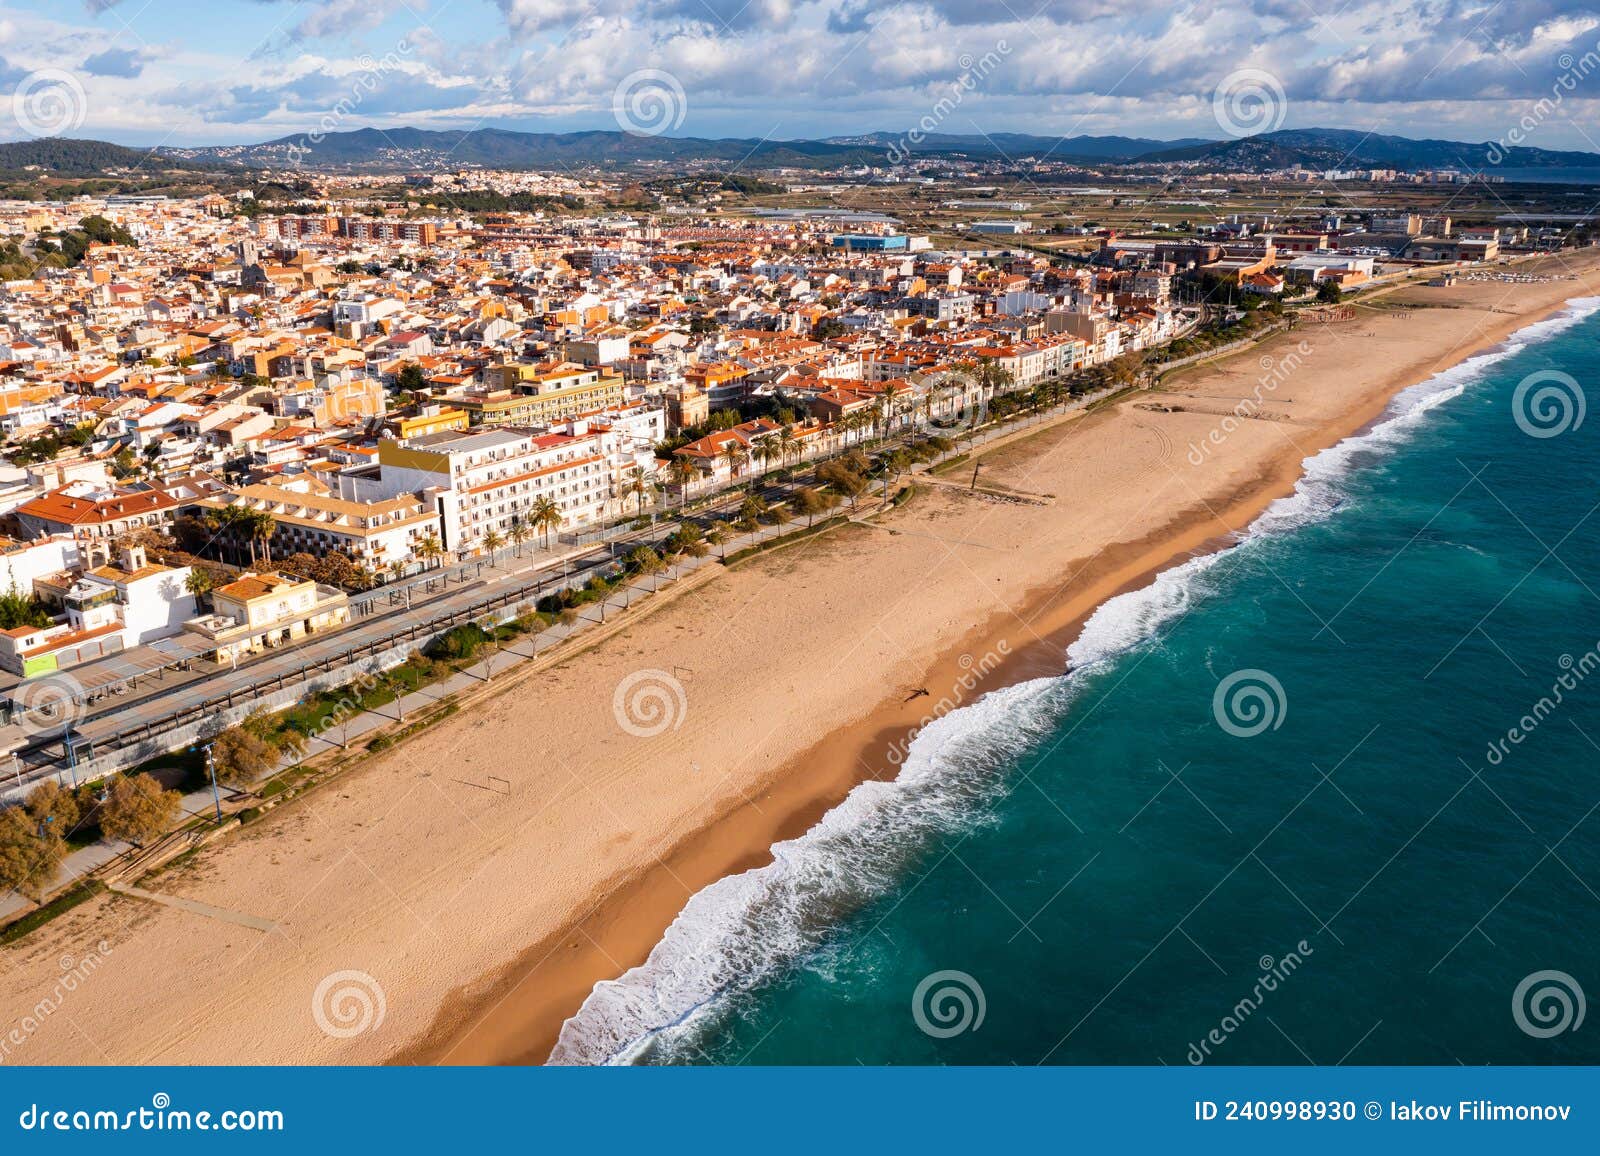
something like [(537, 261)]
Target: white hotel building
[(489, 479)]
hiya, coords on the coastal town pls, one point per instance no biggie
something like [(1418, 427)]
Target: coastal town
[(252, 445), (892, 546)]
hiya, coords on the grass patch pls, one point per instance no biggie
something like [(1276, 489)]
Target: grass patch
[(385, 741), (784, 540), (60, 905)]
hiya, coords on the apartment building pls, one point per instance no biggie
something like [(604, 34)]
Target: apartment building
[(539, 393), (310, 517), (108, 607), (490, 480)]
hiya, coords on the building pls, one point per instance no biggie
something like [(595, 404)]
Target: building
[(310, 517), (490, 480), (262, 612), (112, 606), (1014, 228), (86, 511), (870, 242), (1408, 224), (537, 394)]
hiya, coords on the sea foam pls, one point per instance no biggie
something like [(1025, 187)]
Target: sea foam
[(746, 928)]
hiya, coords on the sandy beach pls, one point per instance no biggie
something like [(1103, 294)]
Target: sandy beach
[(477, 920)]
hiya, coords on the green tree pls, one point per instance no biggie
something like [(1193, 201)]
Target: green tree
[(718, 534), (545, 516), (841, 475), (18, 609), (688, 539), (429, 549), (683, 473), (737, 457), (638, 485), (644, 560), (199, 583), (811, 501)]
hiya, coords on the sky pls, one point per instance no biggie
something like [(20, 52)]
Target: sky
[(183, 72)]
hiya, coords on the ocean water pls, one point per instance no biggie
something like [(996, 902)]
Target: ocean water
[(1327, 796)]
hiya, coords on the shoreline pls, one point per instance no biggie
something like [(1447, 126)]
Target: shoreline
[(483, 919), (507, 1022)]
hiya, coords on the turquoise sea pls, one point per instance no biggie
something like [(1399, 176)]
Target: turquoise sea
[(1329, 795)]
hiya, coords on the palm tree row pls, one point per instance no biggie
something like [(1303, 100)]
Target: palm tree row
[(241, 523)]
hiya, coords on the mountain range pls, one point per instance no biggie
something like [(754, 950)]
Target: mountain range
[(403, 149)]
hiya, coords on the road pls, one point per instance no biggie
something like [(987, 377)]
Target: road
[(415, 607)]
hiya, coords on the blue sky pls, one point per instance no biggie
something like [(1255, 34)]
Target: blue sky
[(185, 72)]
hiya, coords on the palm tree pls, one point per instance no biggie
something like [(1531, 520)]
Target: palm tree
[(545, 516), (519, 534), (199, 584), (492, 541), (737, 458), (428, 547), (261, 526), (683, 473), (638, 485), (891, 405), (993, 377), (237, 523), (766, 452), (222, 522), (880, 413), (788, 444)]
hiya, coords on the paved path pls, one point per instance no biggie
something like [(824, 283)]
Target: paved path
[(342, 733), (194, 906)]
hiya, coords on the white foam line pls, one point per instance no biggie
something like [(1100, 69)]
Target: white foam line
[(745, 928)]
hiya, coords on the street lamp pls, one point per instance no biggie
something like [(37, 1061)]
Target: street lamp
[(211, 769)]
